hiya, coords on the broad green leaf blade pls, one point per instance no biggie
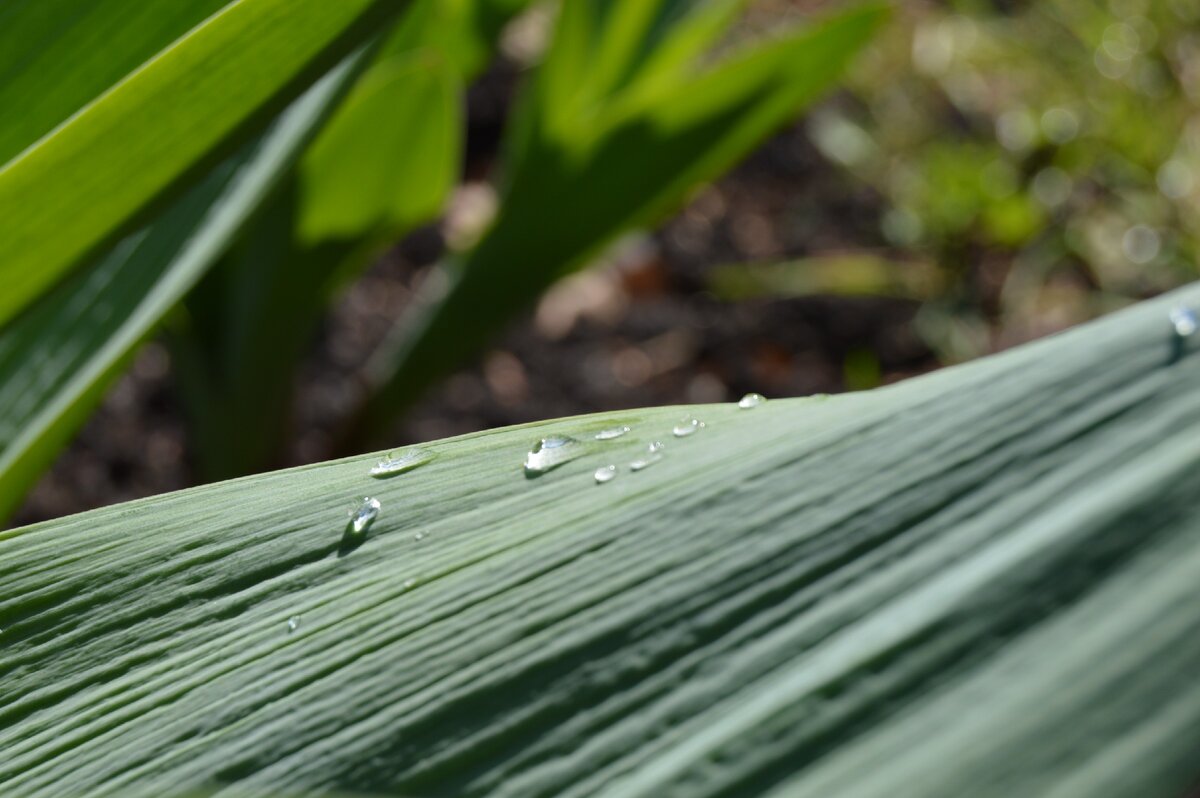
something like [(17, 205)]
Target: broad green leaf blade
[(78, 187), (462, 31), (57, 358), (566, 201), (978, 582), (389, 157), (56, 56)]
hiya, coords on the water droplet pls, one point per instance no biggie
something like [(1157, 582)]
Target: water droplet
[(551, 452), (362, 518), (751, 400), (398, 464), (293, 623), (609, 434), (605, 474), (419, 536), (653, 455), (689, 426), (409, 584), (1184, 320), (644, 462)]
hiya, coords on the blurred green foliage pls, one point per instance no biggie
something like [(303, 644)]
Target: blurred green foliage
[(634, 106), (1045, 156)]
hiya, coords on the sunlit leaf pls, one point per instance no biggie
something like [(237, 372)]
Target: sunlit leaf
[(89, 179), (57, 358)]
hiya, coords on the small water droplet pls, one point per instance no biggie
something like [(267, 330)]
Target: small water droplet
[(397, 464), (419, 536), (653, 455), (409, 584), (644, 462), (293, 623), (609, 434), (551, 452), (362, 518), (689, 426), (751, 400), (1183, 319), (605, 474)]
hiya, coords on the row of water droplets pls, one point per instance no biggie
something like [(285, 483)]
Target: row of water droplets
[(546, 454), (555, 450), (368, 509)]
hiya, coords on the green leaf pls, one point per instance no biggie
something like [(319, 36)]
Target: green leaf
[(79, 186), (57, 358), (979, 582), (462, 31), (389, 157), (56, 56), (578, 182)]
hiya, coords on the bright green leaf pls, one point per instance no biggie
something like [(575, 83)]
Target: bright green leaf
[(57, 358), (78, 187), (56, 56), (389, 157)]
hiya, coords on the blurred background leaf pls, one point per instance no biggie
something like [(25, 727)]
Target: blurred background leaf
[(186, 107), (58, 357), (384, 164), (589, 161), (56, 56)]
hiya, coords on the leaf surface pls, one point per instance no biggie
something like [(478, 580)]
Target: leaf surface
[(977, 582)]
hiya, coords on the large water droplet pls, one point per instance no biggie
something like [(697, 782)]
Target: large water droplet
[(293, 623), (751, 400), (550, 453), (362, 518), (1183, 319), (609, 434), (605, 474), (398, 464), (689, 426)]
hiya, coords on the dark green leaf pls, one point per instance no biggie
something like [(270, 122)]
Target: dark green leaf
[(980, 582)]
